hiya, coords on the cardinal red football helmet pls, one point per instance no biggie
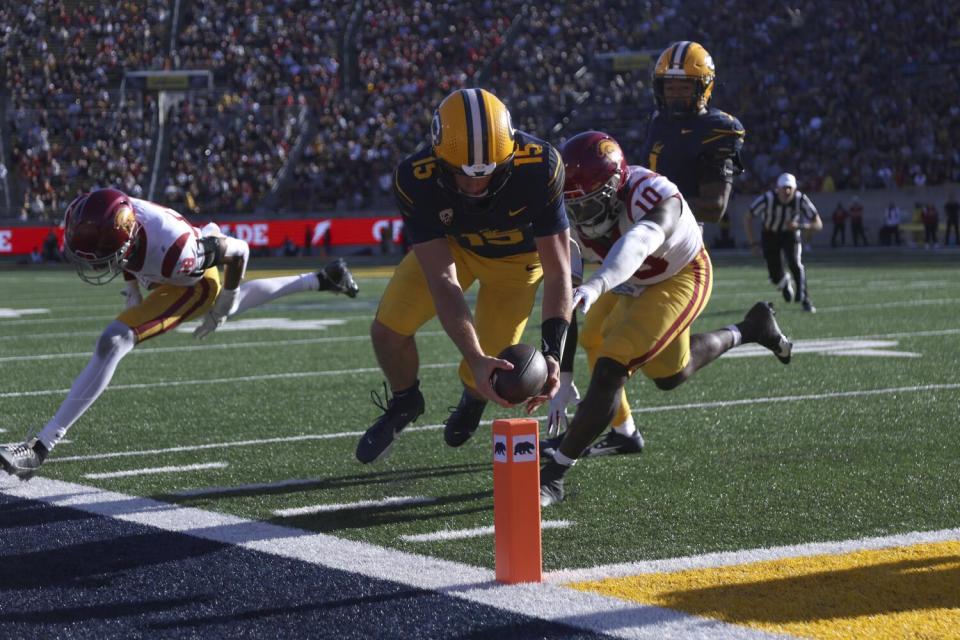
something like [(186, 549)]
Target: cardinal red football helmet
[(100, 231), (595, 172)]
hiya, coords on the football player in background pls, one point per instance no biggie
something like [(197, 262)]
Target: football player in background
[(654, 280), (107, 233), (697, 148), (483, 202)]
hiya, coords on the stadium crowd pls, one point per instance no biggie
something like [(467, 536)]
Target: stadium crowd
[(844, 96)]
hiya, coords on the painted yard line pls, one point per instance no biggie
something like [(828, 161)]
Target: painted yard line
[(235, 489), (812, 396), (155, 470), (392, 501), (64, 320), (732, 558), (434, 427), (81, 319), (887, 305), (740, 352), (747, 350), (549, 601), (180, 383), (209, 347), (461, 534)]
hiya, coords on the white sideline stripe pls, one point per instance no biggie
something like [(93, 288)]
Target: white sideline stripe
[(461, 534), (209, 347), (392, 501), (154, 470), (433, 427), (732, 558), (548, 601)]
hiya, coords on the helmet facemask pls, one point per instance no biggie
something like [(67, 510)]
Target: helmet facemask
[(683, 62), (596, 213), (105, 255), (679, 104)]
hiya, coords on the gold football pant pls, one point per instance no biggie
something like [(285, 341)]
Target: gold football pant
[(652, 331), (168, 305), (505, 299)]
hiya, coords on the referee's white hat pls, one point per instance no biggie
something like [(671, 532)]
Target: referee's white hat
[(787, 180)]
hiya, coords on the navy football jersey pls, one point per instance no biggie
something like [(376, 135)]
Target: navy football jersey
[(689, 151), (529, 205)]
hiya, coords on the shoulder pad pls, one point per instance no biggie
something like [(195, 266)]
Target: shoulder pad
[(721, 120)]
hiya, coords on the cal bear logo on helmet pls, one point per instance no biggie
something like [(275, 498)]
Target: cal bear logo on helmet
[(435, 129)]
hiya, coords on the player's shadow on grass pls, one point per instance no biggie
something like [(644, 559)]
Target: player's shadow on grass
[(442, 508), (390, 477), (923, 584), (104, 611), (97, 564), (29, 513)]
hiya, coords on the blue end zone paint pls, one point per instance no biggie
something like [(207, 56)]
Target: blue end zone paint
[(69, 573)]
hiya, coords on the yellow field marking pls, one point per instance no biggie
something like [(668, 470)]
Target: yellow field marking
[(911, 591)]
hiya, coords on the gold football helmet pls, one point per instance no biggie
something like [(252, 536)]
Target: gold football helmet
[(472, 136), (687, 62)]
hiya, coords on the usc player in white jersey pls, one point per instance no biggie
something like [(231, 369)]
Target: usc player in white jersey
[(654, 279), (107, 233)]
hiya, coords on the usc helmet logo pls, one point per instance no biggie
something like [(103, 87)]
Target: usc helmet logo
[(608, 148), (472, 134), (685, 60)]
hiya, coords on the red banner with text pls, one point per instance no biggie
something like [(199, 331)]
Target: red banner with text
[(271, 234)]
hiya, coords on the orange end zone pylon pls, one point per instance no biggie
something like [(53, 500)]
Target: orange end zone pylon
[(516, 500)]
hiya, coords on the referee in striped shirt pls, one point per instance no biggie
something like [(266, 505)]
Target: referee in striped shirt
[(784, 212)]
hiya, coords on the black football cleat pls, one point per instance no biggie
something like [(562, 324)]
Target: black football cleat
[(397, 414), (551, 483), (464, 420), (808, 307), (335, 276), (549, 446), (760, 326), (24, 459), (615, 443)]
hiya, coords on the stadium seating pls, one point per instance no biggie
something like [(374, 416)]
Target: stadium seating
[(315, 101)]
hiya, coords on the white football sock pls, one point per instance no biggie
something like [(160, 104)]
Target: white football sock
[(627, 428), (737, 336), (254, 293), (116, 341), (559, 458)]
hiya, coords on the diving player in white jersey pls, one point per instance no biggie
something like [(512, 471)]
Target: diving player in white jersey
[(107, 233), (654, 280)]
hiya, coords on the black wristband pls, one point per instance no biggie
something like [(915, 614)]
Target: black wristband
[(553, 333), (570, 346)]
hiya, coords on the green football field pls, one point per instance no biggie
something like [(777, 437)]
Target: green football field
[(857, 437)]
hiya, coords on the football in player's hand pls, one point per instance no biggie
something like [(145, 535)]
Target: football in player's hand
[(527, 377)]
